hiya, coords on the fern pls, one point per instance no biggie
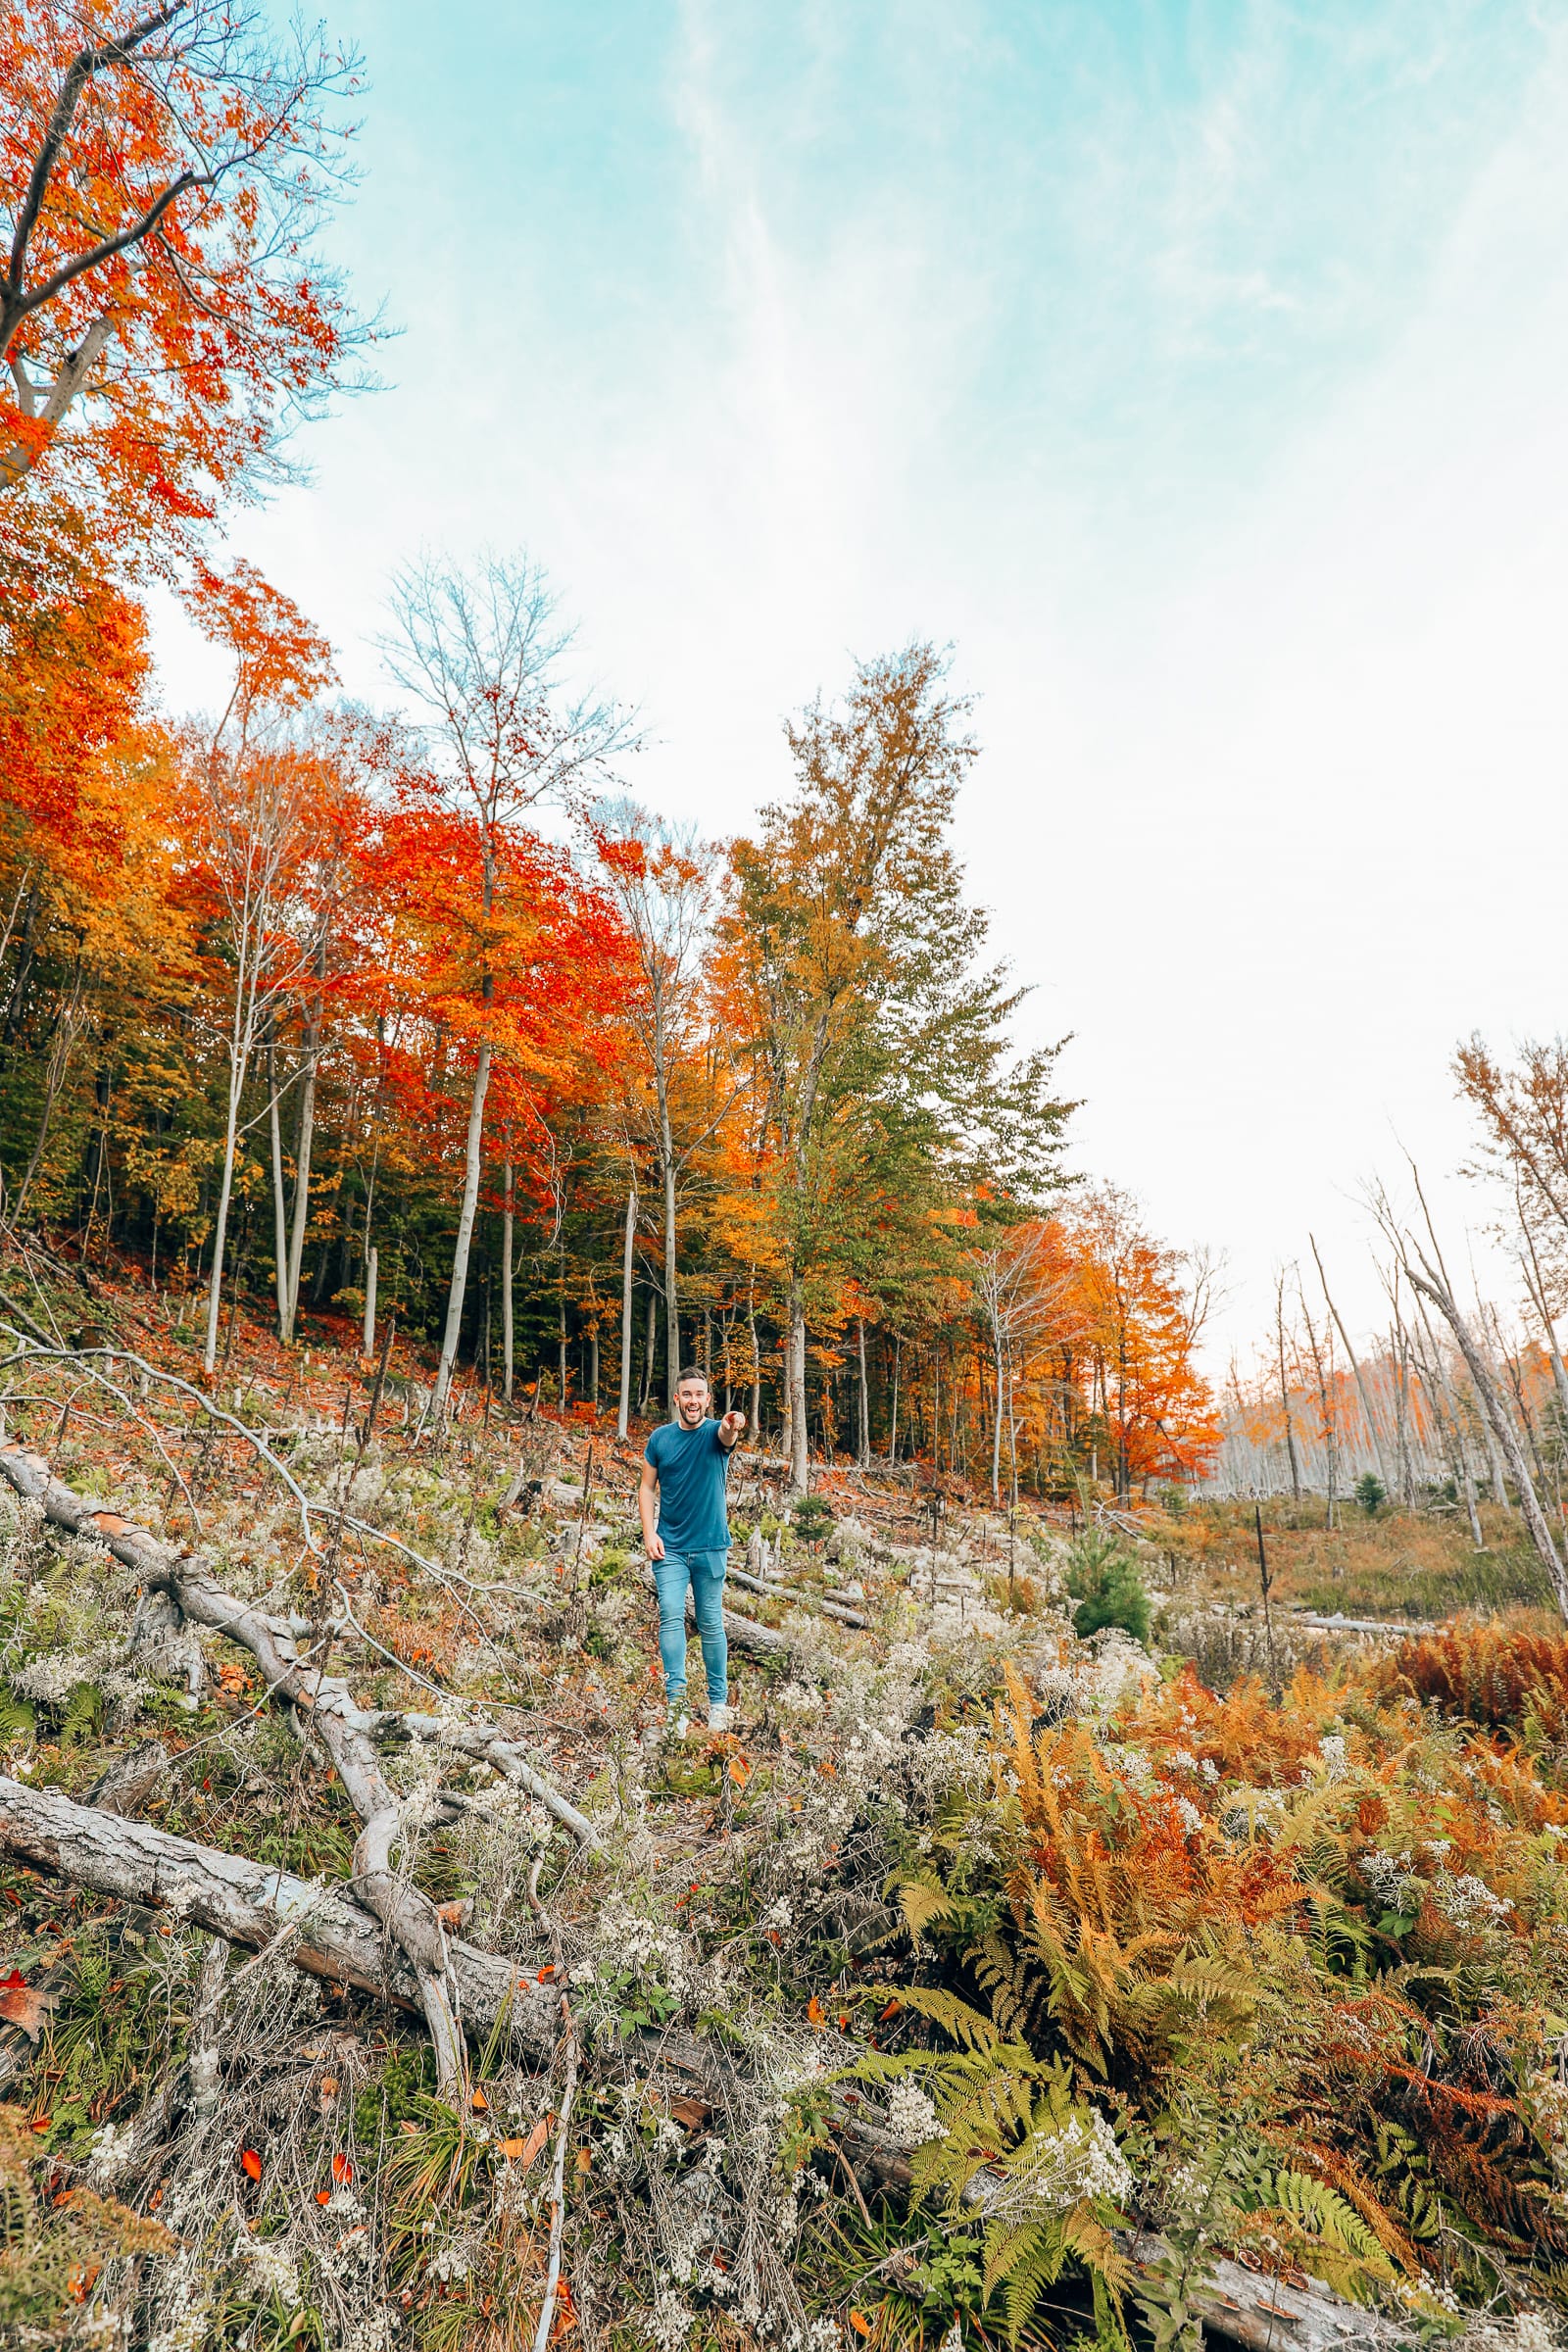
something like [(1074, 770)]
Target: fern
[(18, 1716)]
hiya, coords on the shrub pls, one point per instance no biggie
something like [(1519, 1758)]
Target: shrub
[(1371, 1494), (812, 1518), (1103, 1579)]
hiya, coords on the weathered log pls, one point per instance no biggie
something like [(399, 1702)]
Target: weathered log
[(250, 1904), (165, 1571), (344, 1730)]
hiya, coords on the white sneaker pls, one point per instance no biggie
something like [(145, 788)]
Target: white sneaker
[(718, 1718)]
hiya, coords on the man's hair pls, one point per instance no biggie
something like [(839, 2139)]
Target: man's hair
[(692, 1372)]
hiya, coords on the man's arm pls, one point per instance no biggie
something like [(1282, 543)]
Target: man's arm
[(731, 1429), (647, 1510)]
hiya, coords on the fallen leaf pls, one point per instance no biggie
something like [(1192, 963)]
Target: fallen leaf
[(329, 2086), (534, 2141), (342, 2169), (740, 1771), (250, 2163), (859, 2323), (41, 2123), (16, 1978), (891, 2010), (815, 2012), (690, 2114), (323, 2197), (20, 2007), (586, 2160), (508, 2148)]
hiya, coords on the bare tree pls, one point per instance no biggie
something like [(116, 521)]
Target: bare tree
[(479, 652), (1017, 1301), (1285, 1388), (254, 807), (1428, 1276), (1367, 1414)]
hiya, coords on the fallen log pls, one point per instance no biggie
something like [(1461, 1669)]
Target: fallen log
[(321, 1930), (251, 1904), (345, 1731), (269, 1637)]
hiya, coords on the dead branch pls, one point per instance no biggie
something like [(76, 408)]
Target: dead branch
[(251, 1905)]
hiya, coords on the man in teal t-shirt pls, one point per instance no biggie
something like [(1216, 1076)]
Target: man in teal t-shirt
[(681, 1501)]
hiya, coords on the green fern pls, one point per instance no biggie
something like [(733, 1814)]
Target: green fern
[(18, 1719)]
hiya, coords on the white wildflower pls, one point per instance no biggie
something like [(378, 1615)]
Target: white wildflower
[(912, 2119), (1057, 2170)]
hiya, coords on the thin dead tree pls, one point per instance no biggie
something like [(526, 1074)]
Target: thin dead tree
[(1327, 1402), (1285, 1388), (1367, 1414), (1425, 1271)]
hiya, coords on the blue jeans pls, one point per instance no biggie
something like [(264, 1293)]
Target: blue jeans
[(704, 1572)]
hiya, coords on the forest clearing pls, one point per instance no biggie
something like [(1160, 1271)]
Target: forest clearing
[(1116, 1902), (982, 1983)]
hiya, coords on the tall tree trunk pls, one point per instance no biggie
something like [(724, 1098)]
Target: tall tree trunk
[(755, 1417), (1285, 1390), (371, 1265), (864, 1433), (672, 1296), (995, 1433), (649, 1353), (1360, 1383), (1432, 1286), (509, 1333), (301, 1206), (274, 1124), (214, 1290), (893, 1414), (560, 1323), (59, 1058), (473, 1153), (1437, 1383), (624, 1405), (800, 1459)]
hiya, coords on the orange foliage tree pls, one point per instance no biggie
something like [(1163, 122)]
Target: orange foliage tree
[(161, 321)]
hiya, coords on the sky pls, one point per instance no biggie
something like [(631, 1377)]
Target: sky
[(1196, 371)]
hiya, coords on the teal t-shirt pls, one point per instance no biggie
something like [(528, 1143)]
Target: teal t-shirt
[(692, 1467)]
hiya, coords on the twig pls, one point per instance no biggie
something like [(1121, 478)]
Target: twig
[(558, 2191), (81, 1355), (77, 1355)]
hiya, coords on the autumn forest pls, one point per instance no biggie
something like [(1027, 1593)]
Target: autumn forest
[(1114, 1901)]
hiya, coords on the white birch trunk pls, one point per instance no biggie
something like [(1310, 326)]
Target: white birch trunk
[(800, 1466), (465, 1241)]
